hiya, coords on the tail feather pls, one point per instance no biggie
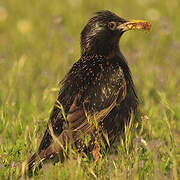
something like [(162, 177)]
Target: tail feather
[(48, 149), (32, 161), (43, 155), (37, 158)]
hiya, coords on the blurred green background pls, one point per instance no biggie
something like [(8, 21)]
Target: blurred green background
[(39, 41)]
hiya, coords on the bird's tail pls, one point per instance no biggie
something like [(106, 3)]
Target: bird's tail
[(32, 161), (36, 159), (46, 152), (42, 155), (39, 157)]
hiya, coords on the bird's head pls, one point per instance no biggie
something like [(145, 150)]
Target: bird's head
[(102, 33)]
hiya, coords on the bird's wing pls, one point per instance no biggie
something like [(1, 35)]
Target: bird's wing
[(88, 106), (83, 121), (91, 90), (88, 110)]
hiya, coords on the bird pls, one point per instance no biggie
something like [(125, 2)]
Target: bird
[(97, 97)]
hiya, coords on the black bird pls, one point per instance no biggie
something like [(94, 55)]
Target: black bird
[(97, 96)]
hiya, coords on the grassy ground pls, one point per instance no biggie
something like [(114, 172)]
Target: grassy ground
[(39, 40)]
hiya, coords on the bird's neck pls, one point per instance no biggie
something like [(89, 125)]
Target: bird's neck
[(108, 48)]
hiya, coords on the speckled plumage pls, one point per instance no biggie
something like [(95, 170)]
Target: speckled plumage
[(97, 87)]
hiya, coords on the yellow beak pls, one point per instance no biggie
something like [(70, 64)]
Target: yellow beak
[(135, 25)]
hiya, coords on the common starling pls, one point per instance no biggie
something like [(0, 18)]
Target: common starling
[(97, 96)]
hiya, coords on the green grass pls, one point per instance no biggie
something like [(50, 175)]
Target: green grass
[(39, 41)]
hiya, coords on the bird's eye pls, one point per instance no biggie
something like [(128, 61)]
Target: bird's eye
[(112, 25)]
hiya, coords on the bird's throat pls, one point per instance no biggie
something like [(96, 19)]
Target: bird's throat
[(100, 47)]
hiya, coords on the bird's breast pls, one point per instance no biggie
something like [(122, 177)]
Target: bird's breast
[(102, 82)]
